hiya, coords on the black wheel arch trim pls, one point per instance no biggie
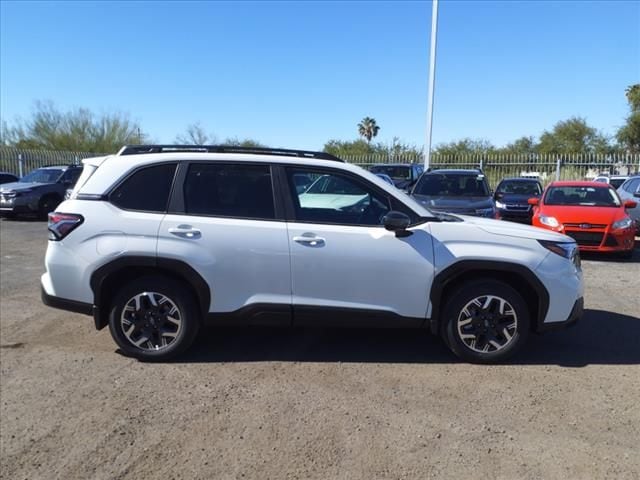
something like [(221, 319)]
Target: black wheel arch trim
[(173, 266), (454, 271)]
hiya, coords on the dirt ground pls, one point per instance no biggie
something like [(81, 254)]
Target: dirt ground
[(314, 404)]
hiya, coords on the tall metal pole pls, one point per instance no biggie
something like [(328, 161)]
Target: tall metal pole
[(432, 80)]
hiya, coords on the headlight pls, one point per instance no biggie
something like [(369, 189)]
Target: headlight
[(567, 250), (549, 221), (485, 212), (499, 204), (620, 224)]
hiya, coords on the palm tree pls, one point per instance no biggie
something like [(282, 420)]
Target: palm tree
[(368, 128)]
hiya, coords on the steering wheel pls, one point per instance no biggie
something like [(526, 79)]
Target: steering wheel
[(371, 212)]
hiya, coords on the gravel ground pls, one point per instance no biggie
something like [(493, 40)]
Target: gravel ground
[(326, 404)]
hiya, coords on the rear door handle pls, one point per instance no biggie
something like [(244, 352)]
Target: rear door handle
[(312, 241), (185, 231)]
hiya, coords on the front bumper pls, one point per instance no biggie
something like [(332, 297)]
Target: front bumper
[(606, 240), (522, 216), (19, 204), (574, 316)]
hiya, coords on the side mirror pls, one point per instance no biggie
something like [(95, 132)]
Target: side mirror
[(533, 201), (631, 203), (397, 222)]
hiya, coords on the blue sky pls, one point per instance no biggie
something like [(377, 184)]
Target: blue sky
[(294, 74)]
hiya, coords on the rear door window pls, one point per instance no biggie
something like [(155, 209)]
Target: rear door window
[(229, 190)]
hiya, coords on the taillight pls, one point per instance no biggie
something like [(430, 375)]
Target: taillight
[(62, 224)]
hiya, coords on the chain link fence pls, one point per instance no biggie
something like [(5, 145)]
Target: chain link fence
[(546, 168)]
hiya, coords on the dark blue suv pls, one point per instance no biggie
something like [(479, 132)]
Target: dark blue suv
[(512, 196)]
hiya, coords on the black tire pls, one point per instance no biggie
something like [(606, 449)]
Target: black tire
[(156, 287), (46, 205), (486, 326)]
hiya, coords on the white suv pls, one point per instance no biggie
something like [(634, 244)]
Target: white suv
[(158, 240)]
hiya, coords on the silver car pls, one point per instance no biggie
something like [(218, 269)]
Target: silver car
[(630, 190)]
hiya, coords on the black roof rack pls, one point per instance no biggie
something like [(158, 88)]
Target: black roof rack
[(140, 149)]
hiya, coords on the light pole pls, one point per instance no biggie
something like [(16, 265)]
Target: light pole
[(432, 80)]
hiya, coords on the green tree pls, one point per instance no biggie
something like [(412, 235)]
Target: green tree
[(342, 148), (368, 128), (245, 142), (77, 130), (464, 147), (195, 134), (573, 136), (628, 135), (632, 93), (523, 145)]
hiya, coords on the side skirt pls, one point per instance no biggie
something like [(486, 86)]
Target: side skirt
[(311, 316)]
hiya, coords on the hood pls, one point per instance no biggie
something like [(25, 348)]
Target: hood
[(580, 215), (20, 186), (499, 227), (454, 204), (514, 198)]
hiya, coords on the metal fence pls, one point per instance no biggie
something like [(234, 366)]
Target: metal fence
[(21, 161), (546, 168)]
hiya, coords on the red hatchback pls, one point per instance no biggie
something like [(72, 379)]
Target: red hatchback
[(592, 213)]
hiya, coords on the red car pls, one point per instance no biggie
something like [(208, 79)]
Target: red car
[(592, 213)]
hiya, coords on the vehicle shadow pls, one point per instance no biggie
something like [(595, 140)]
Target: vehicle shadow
[(599, 338)]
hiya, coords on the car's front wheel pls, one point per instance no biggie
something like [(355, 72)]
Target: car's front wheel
[(485, 321), (153, 318)]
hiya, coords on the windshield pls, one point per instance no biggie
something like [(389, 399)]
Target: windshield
[(616, 182), (452, 185), (519, 188), (582, 196), (394, 171), (42, 175)]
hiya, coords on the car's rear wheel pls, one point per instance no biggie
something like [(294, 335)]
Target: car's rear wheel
[(485, 321), (154, 318)]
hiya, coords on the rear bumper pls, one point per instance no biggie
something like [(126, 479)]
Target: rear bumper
[(574, 316), (65, 304)]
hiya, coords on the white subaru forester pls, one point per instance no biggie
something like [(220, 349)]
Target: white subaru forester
[(156, 241)]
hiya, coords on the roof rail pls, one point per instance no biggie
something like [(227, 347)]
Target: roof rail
[(141, 149)]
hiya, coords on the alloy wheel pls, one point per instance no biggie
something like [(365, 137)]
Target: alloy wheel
[(151, 321), (487, 324)]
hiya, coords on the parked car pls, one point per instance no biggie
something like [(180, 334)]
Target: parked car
[(614, 180), (630, 190), (512, 198), (386, 178), (589, 212), (168, 238), (404, 175), (6, 177), (39, 192), (464, 192)]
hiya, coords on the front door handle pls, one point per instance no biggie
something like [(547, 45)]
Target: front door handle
[(309, 239), (185, 231)]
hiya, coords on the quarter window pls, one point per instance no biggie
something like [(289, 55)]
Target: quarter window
[(243, 191), (146, 190), (336, 199)]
